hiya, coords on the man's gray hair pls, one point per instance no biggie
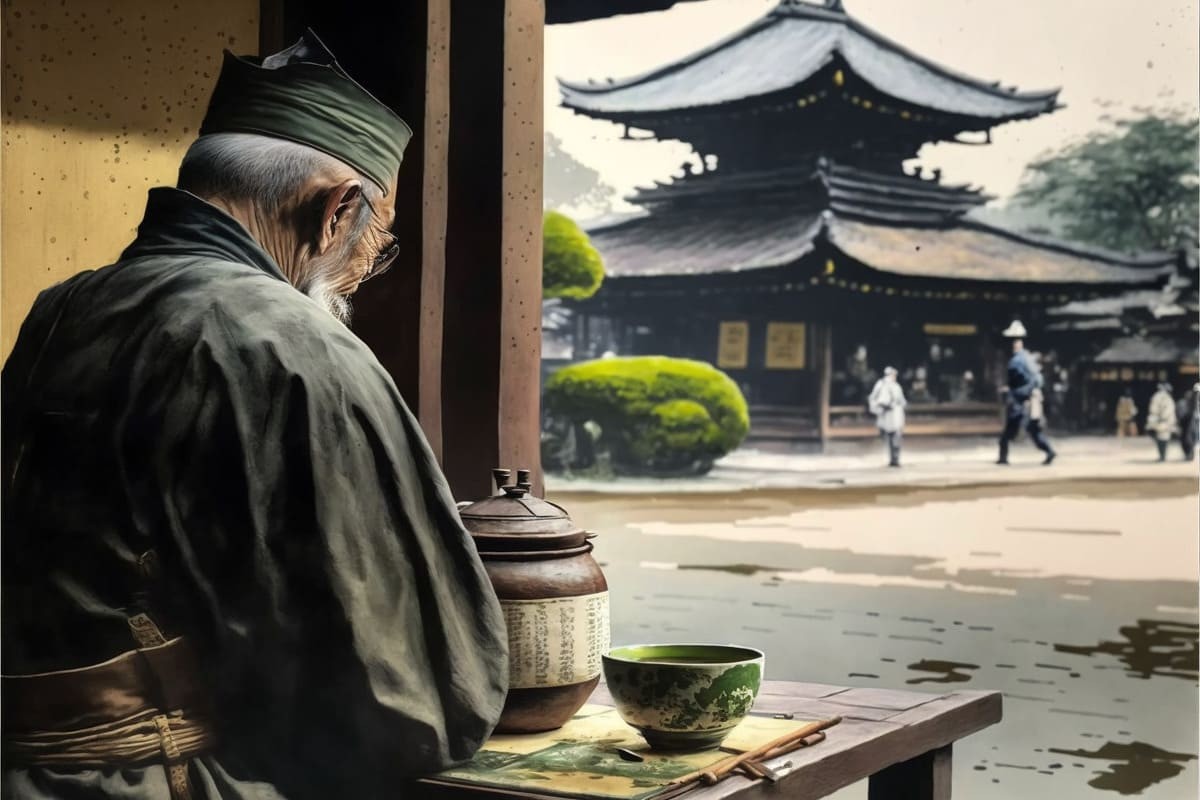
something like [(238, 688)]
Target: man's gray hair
[(246, 166), (268, 172)]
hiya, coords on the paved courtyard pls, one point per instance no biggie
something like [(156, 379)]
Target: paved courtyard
[(1076, 596), (927, 462)]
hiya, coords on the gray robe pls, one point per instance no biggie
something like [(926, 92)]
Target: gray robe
[(187, 399)]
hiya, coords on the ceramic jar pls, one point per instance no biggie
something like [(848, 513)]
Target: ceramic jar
[(554, 597)]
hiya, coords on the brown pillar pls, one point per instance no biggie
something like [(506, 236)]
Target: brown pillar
[(825, 377), (492, 345), (926, 777), (436, 130), (399, 52)]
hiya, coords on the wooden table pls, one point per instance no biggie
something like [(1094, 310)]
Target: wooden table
[(901, 741)]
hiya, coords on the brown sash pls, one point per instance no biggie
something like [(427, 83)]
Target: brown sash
[(142, 707)]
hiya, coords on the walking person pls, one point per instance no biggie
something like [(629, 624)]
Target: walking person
[(1023, 378), (887, 404), (1187, 410), (1126, 415), (1160, 419), (1037, 415)]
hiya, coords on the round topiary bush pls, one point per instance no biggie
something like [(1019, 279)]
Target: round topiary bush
[(571, 267), (657, 415)]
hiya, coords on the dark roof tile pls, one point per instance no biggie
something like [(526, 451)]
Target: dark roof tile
[(710, 240), (785, 49)]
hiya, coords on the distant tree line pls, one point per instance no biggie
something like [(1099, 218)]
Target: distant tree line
[(1136, 187)]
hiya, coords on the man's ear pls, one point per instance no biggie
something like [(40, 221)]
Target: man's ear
[(340, 201)]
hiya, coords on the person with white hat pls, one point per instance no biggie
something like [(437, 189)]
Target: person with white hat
[(1023, 378), (887, 404)]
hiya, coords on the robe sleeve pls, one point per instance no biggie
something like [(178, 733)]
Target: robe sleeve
[(311, 545), (874, 402)]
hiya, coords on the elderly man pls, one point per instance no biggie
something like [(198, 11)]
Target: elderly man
[(1024, 377), (231, 566)]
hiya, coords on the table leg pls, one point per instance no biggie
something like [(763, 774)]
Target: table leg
[(926, 777)]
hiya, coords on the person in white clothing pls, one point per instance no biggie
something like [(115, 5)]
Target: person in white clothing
[(1160, 419), (887, 404)]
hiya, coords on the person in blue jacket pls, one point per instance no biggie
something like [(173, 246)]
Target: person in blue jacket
[(1023, 378)]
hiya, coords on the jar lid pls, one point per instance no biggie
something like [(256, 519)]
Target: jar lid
[(516, 520)]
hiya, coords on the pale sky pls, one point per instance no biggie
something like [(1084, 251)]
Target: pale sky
[(1110, 57)]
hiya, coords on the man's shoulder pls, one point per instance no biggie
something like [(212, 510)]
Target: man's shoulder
[(256, 311), (228, 307)]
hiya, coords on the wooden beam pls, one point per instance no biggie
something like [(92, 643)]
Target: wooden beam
[(271, 27), (521, 240), (825, 381), (433, 216), (492, 345), (926, 777), (398, 51)]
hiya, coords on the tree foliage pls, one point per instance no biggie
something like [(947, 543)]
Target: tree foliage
[(657, 415), (570, 185), (1134, 188), (571, 267)]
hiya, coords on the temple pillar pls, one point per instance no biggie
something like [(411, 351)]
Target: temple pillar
[(399, 52), (457, 321), (824, 376), (491, 352)]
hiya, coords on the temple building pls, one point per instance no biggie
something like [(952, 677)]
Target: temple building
[(1132, 341), (801, 257)]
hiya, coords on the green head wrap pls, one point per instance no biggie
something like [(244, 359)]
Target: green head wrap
[(303, 95)]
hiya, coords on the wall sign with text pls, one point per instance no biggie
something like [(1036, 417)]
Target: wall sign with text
[(733, 348), (785, 345)]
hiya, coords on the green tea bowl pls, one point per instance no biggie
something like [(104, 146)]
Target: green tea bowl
[(683, 696)]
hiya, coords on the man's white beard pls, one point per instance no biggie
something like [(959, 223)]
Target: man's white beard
[(320, 287), (336, 304)]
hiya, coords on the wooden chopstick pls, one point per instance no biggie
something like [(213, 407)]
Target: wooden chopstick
[(714, 773), (807, 741)]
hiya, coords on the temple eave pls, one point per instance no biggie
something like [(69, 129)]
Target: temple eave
[(787, 55), (796, 99), (866, 253)]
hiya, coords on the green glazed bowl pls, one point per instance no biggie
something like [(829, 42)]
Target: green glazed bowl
[(683, 696)]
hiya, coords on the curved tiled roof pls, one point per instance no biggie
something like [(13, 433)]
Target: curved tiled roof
[(701, 242), (1147, 350), (788, 47), (972, 251), (707, 240)]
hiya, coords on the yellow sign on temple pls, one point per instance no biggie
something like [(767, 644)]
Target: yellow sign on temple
[(785, 345), (949, 329), (734, 346)]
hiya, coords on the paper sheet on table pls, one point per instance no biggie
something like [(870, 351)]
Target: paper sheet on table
[(580, 758)]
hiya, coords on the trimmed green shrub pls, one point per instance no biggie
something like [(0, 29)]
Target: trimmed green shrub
[(571, 267), (658, 415)]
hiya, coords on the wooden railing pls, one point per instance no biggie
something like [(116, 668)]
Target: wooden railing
[(923, 419)]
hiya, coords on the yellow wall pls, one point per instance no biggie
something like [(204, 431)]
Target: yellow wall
[(101, 99)]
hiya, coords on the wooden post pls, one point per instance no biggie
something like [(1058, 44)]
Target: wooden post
[(271, 33), (825, 381), (492, 345), (399, 52), (926, 777), (579, 339)]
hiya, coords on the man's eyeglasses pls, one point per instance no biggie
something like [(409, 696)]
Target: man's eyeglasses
[(387, 256)]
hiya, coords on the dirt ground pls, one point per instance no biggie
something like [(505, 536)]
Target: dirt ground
[(1076, 598)]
